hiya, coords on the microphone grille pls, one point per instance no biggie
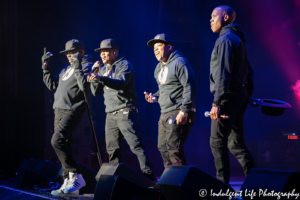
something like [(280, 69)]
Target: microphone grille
[(207, 114)]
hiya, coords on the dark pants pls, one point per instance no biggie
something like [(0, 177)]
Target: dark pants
[(229, 134), (124, 124), (65, 122), (171, 138)]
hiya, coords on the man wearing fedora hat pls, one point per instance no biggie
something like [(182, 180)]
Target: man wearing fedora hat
[(231, 83), (69, 105), (176, 97), (115, 79)]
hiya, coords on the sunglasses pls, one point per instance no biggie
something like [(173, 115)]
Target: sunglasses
[(70, 52)]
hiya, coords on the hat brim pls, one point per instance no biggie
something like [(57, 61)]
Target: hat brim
[(273, 103), (152, 42), (99, 49), (71, 49), (271, 107)]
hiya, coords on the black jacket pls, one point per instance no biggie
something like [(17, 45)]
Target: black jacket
[(69, 84), (229, 65), (179, 90), (119, 90)]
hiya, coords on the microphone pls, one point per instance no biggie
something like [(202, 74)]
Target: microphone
[(207, 114), (93, 70), (172, 121)]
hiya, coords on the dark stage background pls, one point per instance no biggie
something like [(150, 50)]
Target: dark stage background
[(272, 28)]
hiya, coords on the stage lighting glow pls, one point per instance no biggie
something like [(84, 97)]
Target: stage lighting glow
[(296, 89)]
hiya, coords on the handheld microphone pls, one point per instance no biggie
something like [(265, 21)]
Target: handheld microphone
[(207, 114), (172, 121), (93, 70)]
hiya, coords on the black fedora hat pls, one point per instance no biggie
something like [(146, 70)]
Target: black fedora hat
[(270, 107), (72, 45)]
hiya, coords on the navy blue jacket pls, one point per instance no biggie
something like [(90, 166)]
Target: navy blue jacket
[(229, 65)]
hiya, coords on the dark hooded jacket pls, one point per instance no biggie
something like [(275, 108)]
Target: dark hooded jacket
[(69, 85), (119, 91), (229, 65), (179, 90)]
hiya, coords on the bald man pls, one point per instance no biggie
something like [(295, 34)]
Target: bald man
[(231, 83)]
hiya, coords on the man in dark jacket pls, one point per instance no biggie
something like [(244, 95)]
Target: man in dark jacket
[(69, 105), (176, 97), (231, 82), (115, 80)]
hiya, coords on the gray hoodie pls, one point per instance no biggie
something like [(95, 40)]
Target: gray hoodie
[(229, 65), (119, 90), (179, 90), (69, 85)]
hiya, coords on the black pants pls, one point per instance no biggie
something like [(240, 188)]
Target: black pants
[(229, 134), (124, 124), (171, 138), (65, 122)]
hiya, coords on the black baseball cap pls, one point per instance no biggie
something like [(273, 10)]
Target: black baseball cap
[(163, 38), (107, 44), (72, 45)]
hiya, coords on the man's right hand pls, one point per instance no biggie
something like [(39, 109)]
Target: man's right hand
[(46, 58), (94, 76), (149, 98), (96, 65)]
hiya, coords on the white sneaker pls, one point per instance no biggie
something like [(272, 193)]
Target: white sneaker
[(60, 191), (75, 182)]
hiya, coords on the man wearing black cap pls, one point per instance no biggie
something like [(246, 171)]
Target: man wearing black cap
[(231, 82), (69, 105), (176, 97), (116, 80)]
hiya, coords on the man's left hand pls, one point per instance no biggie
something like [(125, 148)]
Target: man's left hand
[(181, 118), (76, 61), (214, 113)]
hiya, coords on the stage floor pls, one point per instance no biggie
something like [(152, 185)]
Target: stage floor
[(12, 193)]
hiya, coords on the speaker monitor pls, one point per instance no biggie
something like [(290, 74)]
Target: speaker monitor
[(32, 172), (115, 187), (47, 168), (185, 182), (126, 172), (28, 178), (277, 180), (28, 163), (88, 175)]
